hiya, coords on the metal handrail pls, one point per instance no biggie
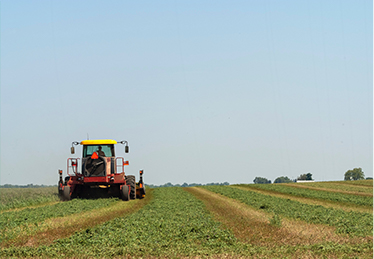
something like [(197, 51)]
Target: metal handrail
[(73, 165), (122, 164)]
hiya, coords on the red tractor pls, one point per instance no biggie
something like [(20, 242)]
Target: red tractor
[(102, 173)]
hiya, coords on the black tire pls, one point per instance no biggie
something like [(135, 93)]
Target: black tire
[(66, 193), (125, 193), (60, 192), (130, 180)]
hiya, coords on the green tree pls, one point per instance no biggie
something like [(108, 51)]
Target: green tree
[(354, 174), (283, 179), (306, 177), (261, 180)]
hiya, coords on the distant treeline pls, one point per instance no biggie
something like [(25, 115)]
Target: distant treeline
[(184, 185), (26, 186), (148, 185)]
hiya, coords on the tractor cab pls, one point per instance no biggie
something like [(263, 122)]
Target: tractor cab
[(104, 150), (98, 157)]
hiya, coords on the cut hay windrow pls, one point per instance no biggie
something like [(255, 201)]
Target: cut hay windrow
[(311, 201), (315, 194), (342, 186), (30, 220), (259, 227), (174, 223), (13, 198), (353, 223)]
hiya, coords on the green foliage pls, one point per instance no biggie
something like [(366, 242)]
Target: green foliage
[(176, 225), (13, 223), (30, 185), (276, 221), (316, 194), (305, 177), (341, 186), (353, 223), (185, 185), (261, 180), (358, 182), (354, 174), (283, 179), (11, 198)]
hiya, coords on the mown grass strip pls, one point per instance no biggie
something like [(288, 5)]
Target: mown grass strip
[(357, 183), (29, 220), (324, 188), (310, 201), (32, 206), (173, 225), (314, 194), (11, 198), (353, 223), (56, 228), (255, 226), (339, 186)]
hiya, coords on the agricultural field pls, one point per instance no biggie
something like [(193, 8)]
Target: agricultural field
[(357, 187), (11, 198), (317, 220), (349, 198)]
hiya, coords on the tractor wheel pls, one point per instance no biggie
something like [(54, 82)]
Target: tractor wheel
[(130, 180), (125, 193), (66, 193), (60, 193)]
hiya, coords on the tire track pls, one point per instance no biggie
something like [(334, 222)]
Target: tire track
[(253, 226)]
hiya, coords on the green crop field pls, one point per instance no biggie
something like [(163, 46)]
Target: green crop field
[(241, 221), (11, 198)]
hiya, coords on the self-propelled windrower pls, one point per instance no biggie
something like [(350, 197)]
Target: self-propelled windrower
[(102, 173)]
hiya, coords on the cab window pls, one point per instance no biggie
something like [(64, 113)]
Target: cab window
[(101, 150)]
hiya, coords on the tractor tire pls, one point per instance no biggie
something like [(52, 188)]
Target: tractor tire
[(130, 180), (66, 193), (125, 193), (60, 193)]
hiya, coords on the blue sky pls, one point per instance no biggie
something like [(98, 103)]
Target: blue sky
[(203, 91)]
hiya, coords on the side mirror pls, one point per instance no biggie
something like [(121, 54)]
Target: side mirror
[(124, 142), (72, 146)]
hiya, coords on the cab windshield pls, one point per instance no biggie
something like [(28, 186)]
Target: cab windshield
[(101, 150)]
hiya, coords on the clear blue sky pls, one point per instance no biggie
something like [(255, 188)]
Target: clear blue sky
[(203, 91)]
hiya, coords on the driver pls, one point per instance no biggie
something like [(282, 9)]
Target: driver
[(100, 152)]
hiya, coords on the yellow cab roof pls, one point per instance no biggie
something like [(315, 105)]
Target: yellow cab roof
[(98, 142)]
